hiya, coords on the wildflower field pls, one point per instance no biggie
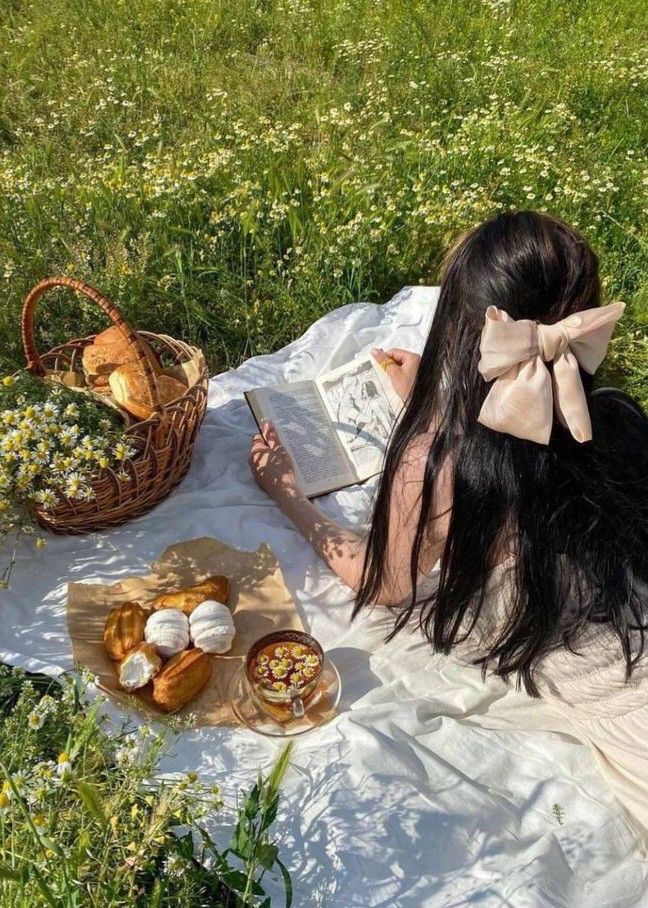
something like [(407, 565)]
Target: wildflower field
[(230, 171)]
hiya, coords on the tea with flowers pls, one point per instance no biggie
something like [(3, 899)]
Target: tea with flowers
[(282, 666), (52, 442)]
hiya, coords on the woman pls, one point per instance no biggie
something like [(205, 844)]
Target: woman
[(511, 521)]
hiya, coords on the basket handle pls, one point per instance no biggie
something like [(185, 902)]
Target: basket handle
[(34, 364)]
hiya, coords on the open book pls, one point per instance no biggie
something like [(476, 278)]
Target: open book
[(335, 428)]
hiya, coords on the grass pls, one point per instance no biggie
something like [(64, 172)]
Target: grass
[(230, 171), (84, 820)]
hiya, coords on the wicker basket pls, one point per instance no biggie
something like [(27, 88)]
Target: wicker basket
[(164, 442)]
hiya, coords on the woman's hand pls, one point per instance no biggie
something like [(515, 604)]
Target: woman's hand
[(401, 366), (272, 466)]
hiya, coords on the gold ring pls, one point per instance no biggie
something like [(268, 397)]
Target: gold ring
[(386, 363)]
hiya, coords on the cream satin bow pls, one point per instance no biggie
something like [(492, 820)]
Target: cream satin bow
[(522, 399)]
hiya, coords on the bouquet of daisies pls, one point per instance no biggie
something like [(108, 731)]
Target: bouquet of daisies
[(52, 442)]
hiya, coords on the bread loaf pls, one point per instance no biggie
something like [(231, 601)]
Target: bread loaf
[(100, 385), (131, 391), (112, 335), (138, 667), (102, 359), (181, 679), (124, 629), (216, 587)]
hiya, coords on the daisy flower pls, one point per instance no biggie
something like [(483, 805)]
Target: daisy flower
[(68, 436), (73, 485), (35, 720), (64, 763), (50, 410), (45, 770), (16, 784), (47, 497), (71, 412), (121, 451)]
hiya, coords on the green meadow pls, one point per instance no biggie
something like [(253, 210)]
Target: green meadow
[(228, 172)]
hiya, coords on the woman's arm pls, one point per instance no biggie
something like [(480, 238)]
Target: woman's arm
[(342, 549)]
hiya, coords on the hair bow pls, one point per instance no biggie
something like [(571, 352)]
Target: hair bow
[(522, 399)]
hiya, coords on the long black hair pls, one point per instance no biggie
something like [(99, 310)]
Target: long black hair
[(574, 515)]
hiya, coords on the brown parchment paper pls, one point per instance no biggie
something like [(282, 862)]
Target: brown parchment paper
[(259, 602)]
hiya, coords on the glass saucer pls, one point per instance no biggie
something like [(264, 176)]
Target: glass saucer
[(278, 721)]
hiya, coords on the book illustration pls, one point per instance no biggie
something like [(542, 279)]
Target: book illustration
[(360, 410)]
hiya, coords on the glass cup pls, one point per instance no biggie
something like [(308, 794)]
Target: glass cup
[(295, 697)]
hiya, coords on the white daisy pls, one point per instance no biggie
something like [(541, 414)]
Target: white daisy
[(64, 764), (35, 720)]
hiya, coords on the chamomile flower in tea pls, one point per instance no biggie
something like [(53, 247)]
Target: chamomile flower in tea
[(282, 666)]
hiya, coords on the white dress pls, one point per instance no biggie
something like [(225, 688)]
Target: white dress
[(587, 693)]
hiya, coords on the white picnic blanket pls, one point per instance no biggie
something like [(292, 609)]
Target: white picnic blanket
[(432, 787)]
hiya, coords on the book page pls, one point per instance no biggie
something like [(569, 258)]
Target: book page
[(364, 409), (304, 427)]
